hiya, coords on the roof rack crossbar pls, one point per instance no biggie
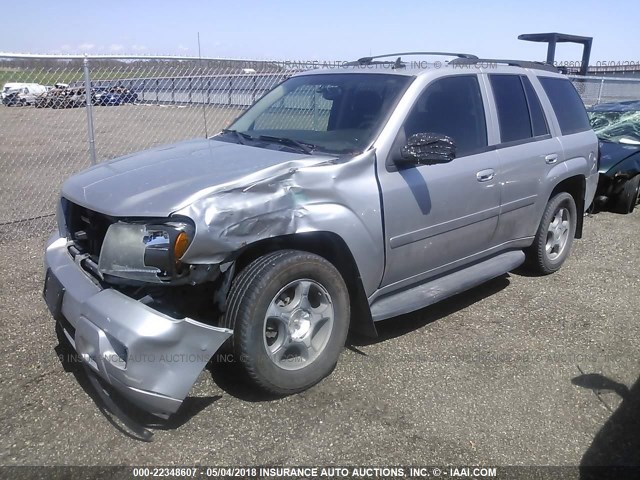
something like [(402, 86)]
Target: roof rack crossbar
[(513, 63), (370, 60)]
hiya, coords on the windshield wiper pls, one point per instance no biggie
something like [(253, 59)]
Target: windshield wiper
[(307, 148), (242, 137)]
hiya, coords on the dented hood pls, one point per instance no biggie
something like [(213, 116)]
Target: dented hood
[(159, 181)]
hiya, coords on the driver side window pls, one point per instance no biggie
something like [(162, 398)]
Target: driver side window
[(451, 106)]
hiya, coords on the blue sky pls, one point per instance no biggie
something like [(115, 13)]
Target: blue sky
[(326, 30)]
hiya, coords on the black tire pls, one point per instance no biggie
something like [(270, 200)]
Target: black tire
[(539, 259), (255, 289), (627, 200)]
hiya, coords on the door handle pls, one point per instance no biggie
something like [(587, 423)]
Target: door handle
[(552, 158), (485, 175)]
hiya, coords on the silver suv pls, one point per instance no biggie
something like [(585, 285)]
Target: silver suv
[(341, 198)]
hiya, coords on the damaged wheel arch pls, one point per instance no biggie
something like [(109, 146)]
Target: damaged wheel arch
[(331, 247)]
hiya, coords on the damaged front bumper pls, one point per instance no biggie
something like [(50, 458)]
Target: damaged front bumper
[(150, 358)]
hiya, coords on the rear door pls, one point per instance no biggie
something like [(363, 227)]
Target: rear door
[(579, 142), (437, 216), (527, 151)]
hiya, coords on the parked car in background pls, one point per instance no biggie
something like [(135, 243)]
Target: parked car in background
[(13, 86), (21, 93), (70, 98), (97, 94), (49, 98), (114, 96), (11, 98), (62, 96), (618, 128), (10, 86)]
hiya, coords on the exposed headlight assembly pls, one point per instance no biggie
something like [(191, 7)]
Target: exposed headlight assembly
[(145, 252)]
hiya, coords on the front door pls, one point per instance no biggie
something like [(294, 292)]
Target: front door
[(437, 216)]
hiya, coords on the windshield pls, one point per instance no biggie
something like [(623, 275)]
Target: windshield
[(617, 127), (334, 113)]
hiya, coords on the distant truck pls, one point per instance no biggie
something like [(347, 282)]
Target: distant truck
[(21, 93)]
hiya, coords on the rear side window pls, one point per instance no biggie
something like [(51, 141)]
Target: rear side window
[(511, 104), (538, 120), (567, 105)]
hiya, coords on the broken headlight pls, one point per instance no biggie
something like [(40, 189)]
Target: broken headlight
[(145, 252)]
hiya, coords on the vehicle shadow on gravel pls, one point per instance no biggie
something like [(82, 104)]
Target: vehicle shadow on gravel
[(523, 271), (618, 441), (122, 414), (398, 326), (227, 373)]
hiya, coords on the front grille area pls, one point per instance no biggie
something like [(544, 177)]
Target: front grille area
[(87, 228)]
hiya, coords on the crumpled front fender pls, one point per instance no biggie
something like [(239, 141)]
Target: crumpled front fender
[(340, 197)]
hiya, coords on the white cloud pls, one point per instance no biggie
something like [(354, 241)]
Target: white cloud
[(85, 47), (138, 48), (65, 48), (182, 48), (116, 47)]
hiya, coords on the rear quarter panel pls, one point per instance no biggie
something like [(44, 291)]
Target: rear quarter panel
[(579, 155), (581, 158)]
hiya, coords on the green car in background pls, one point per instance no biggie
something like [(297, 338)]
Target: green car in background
[(618, 128)]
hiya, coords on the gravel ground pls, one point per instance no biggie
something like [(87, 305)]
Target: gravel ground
[(521, 371)]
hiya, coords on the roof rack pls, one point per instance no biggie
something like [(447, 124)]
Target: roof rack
[(513, 63), (398, 62)]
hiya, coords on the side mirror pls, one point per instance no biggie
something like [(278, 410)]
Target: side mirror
[(427, 149)]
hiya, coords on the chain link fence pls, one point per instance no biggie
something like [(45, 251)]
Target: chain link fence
[(50, 127), (595, 90)]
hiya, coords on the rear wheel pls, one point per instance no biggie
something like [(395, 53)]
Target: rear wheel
[(554, 237), (290, 314), (628, 199)]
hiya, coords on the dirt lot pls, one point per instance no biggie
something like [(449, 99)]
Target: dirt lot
[(522, 370)]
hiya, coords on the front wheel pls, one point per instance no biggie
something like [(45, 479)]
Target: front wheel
[(553, 240), (290, 314)]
